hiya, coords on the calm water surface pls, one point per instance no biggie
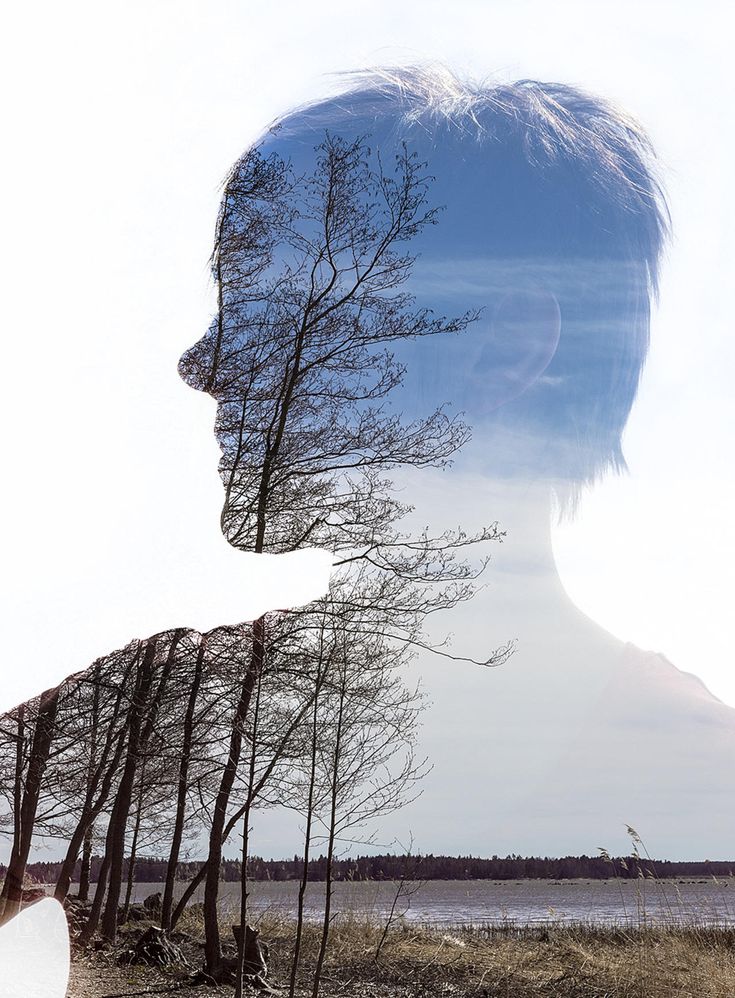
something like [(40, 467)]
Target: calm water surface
[(452, 902)]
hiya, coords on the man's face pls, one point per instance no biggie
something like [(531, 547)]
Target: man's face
[(505, 348)]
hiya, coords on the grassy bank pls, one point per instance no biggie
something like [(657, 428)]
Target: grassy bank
[(554, 961), (518, 962)]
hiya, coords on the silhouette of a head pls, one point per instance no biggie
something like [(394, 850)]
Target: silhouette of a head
[(553, 227)]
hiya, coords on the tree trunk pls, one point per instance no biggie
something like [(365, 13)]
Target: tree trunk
[(86, 864), (178, 829), (82, 834), (139, 736), (213, 944), (85, 936), (202, 872), (134, 848), (67, 871), (43, 735), (307, 842), (188, 894), (20, 738), (85, 826), (115, 841), (242, 937), (330, 847), (234, 818)]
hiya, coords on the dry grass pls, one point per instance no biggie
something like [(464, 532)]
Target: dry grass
[(554, 961)]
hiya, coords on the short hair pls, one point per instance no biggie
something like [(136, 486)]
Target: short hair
[(566, 186)]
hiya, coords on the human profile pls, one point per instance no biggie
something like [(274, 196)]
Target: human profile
[(552, 228), (551, 232)]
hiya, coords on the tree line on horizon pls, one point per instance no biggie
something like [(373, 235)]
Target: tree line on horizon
[(395, 867)]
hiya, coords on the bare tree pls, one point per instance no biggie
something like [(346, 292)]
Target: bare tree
[(144, 709), (99, 728), (407, 886), (26, 794), (311, 798), (309, 273), (289, 699), (183, 783), (367, 733)]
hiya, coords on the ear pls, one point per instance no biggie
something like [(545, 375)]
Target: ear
[(521, 342)]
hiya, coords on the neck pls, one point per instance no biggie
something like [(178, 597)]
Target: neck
[(523, 581), (523, 598)]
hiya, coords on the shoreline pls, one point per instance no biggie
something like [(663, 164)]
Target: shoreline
[(448, 880)]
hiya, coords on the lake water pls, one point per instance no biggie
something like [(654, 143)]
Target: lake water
[(452, 902)]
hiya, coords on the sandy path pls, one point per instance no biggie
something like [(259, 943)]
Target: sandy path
[(98, 979)]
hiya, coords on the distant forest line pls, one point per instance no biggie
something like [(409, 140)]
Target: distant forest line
[(424, 867)]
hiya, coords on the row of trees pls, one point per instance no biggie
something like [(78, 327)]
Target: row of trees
[(153, 870), (184, 735), (140, 743)]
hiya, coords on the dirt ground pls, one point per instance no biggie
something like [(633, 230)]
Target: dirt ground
[(99, 977)]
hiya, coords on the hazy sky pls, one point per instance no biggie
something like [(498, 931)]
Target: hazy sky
[(123, 120)]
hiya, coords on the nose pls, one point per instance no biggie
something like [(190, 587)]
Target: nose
[(198, 365)]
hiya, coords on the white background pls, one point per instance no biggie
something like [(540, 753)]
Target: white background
[(122, 120)]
